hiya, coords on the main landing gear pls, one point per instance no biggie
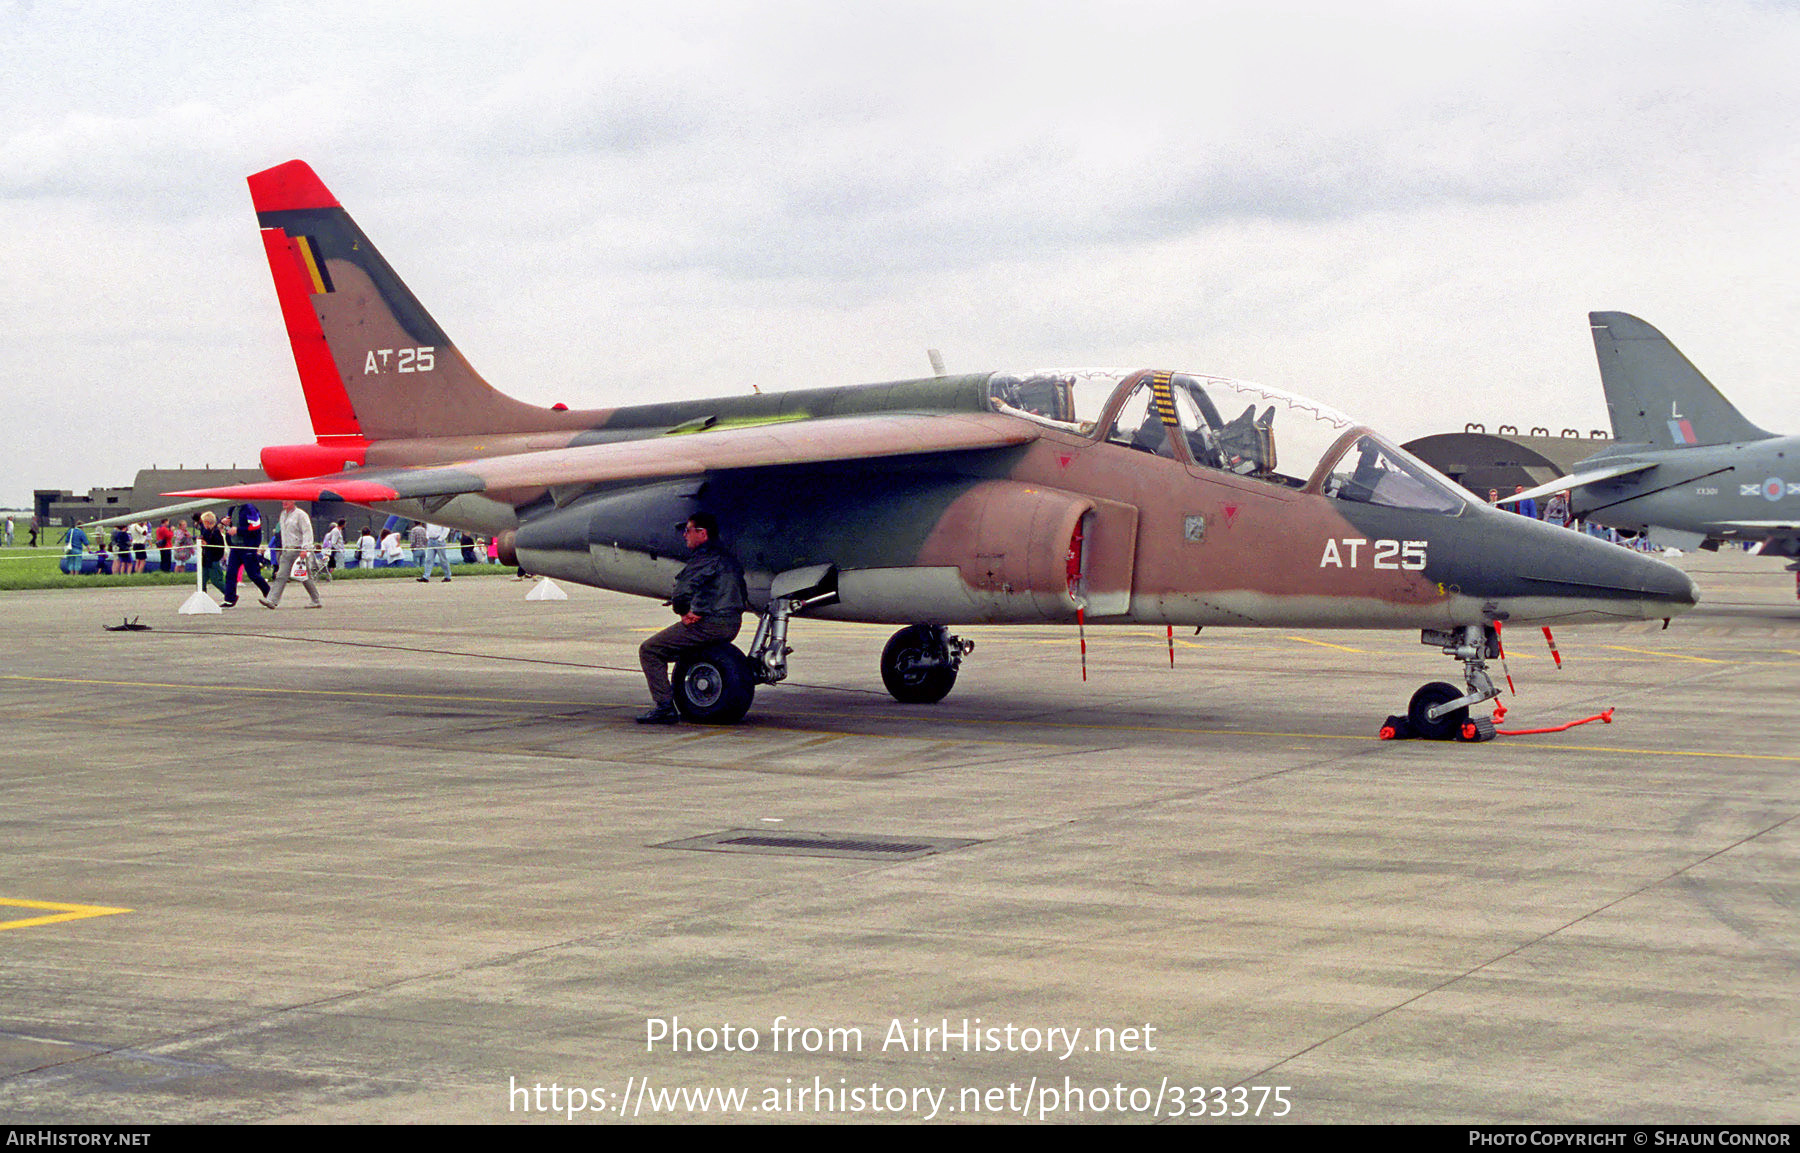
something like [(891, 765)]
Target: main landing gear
[(920, 663), (1438, 711), (715, 685)]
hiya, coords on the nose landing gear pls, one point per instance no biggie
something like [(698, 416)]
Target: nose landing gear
[(1438, 711)]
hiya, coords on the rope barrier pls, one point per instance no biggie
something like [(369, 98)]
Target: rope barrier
[(185, 557)]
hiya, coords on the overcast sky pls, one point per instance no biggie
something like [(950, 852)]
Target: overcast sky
[(1403, 209)]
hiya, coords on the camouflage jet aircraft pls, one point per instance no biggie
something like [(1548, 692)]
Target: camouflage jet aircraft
[(1685, 466), (1140, 496)]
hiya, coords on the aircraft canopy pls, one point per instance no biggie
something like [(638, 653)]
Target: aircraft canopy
[(1228, 424)]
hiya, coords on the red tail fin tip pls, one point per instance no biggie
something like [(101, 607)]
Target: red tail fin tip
[(290, 186)]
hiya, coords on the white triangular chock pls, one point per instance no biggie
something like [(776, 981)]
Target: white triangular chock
[(546, 590), (199, 602)]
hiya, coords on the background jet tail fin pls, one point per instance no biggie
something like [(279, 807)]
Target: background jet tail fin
[(1655, 394), (373, 363)]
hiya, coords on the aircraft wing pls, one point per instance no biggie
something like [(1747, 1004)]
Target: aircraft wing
[(1777, 539), (167, 510), (1576, 480), (760, 446), (1768, 530)]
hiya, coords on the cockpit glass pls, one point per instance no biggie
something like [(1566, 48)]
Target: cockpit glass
[(1139, 424), (1071, 400), (1254, 431), (1372, 472), (1232, 425)]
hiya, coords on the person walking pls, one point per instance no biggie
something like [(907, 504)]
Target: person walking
[(245, 556), (212, 552), (436, 551), (295, 560)]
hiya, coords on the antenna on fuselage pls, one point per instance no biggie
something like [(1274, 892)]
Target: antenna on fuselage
[(937, 361)]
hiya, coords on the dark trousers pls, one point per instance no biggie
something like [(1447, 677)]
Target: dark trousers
[(668, 645), (245, 561)]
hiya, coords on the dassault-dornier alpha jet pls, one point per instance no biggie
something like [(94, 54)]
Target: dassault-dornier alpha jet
[(1685, 467), (1113, 496)]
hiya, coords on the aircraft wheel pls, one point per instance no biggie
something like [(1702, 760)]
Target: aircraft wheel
[(915, 668), (714, 686), (1445, 727)]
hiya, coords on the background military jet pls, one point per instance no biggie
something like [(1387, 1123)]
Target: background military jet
[(1685, 467), (1106, 495)]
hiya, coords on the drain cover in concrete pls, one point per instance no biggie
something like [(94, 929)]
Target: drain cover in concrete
[(790, 843)]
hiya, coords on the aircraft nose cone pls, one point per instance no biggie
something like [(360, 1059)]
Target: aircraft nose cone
[(1607, 573), (1537, 572), (1670, 586)]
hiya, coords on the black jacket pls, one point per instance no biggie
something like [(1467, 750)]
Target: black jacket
[(711, 584), (212, 546)]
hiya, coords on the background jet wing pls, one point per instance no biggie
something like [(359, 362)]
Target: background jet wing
[(365, 486), (760, 446), (1577, 479), (1777, 540), (167, 510)]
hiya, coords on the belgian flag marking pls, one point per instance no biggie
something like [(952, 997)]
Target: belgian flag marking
[(315, 268)]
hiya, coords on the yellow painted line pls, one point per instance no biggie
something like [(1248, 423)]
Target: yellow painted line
[(1332, 737), (700, 731), (1668, 752), (298, 692), (1673, 656), (596, 704), (64, 912), (1036, 724), (828, 736), (989, 721), (1327, 645)]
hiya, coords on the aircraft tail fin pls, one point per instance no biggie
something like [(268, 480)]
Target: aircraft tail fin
[(373, 363), (1655, 394)]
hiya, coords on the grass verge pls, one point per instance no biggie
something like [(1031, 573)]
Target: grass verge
[(26, 568)]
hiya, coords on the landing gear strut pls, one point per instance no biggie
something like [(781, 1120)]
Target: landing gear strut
[(1438, 711), (918, 666), (790, 593)]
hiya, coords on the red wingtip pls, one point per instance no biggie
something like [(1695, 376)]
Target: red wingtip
[(289, 186), (319, 488)]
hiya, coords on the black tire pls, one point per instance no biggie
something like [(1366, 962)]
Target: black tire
[(912, 668), (713, 686), (1445, 727)]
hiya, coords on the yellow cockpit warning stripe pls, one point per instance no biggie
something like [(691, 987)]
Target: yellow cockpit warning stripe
[(1163, 396), (304, 246)]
